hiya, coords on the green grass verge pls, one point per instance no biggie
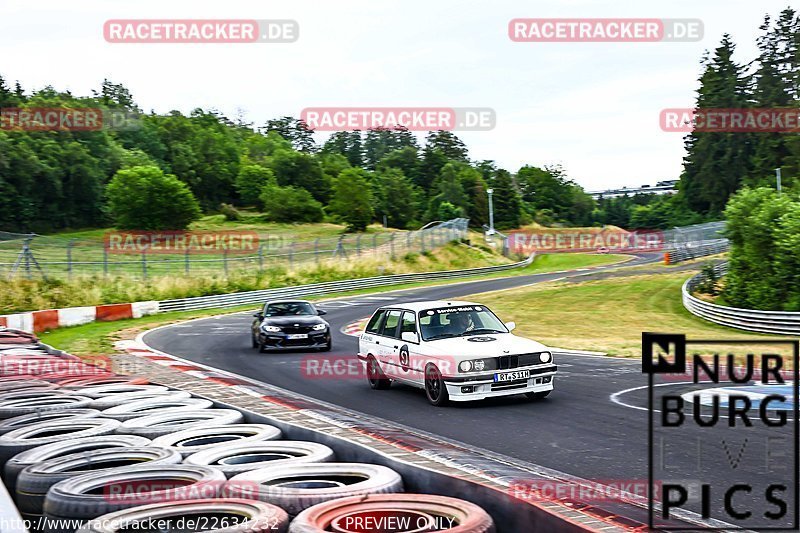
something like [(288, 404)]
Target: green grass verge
[(99, 337), (605, 315), (26, 295)]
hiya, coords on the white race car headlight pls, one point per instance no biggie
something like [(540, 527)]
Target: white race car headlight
[(545, 357), (480, 364), (271, 329), (465, 366), (319, 327)]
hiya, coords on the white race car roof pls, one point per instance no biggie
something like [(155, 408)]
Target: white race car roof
[(428, 304)]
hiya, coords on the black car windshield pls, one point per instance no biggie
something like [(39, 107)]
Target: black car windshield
[(290, 309), (446, 322)]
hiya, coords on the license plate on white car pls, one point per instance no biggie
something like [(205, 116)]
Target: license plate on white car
[(512, 376), (293, 336)]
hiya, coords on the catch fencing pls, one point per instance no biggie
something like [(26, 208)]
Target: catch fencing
[(690, 242), (687, 253), (30, 255)]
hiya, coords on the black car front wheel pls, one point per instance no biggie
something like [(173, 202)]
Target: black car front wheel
[(327, 347), (435, 389), (254, 341)]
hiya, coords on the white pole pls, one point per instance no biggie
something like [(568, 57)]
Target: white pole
[(778, 177), (491, 212)]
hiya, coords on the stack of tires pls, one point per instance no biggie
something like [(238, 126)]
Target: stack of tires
[(90, 451)]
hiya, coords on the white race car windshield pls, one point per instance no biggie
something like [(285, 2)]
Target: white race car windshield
[(447, 322)]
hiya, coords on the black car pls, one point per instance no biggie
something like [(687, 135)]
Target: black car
[(288, 324)]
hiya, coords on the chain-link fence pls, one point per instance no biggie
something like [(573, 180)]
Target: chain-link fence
[(696, 235), (28, 255)]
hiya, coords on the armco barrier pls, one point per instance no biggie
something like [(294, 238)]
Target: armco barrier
[(250, 297), (37, 321), (685, 253), (780, 322)]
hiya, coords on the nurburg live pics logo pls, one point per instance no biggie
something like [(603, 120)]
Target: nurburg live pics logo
[(731, 423)]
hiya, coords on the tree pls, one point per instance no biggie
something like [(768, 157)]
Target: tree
[(144, 198), (448, 188), (115, 95), (352, 199), (506, 201), (396, 197), (448, 144), (297, 169), (764, 232), (380, 142), (290, 204), (405, 159), (251, 181), (447, 211), (776, 84), (717, 162), (295, 131)]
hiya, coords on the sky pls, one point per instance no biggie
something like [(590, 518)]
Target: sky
[(592, 108)]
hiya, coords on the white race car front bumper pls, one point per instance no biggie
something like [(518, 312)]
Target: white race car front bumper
[(465, 391)]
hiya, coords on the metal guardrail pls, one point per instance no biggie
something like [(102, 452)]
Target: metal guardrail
[(780, 322), (706, 248), (314, 289)]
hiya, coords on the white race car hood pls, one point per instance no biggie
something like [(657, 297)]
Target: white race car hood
[(485, 345)]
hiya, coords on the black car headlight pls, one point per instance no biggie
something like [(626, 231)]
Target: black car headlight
[(319, 327), (270, 329)]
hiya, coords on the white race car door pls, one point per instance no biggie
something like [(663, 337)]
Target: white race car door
[(390, 342), (409, 359), (370, 340)]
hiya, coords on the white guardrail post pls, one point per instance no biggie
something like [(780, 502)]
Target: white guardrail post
[(775, 322)]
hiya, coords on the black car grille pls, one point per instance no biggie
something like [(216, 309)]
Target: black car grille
[(298, 329), (516, 384), (507, 362)]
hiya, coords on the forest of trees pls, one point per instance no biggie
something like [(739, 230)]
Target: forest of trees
[(182, 166), (717, 164), (169, 169)]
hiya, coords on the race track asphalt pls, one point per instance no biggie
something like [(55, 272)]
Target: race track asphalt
[(580, 429)]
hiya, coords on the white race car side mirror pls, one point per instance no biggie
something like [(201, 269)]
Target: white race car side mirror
[(511, 326)]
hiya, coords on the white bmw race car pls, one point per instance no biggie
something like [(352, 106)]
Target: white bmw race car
[(454, 350)]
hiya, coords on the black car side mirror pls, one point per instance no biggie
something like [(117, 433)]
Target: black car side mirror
[(321, 312), (259, 315)]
